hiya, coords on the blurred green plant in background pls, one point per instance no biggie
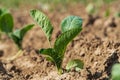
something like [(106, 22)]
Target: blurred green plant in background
[(17, 3), (92, 6)]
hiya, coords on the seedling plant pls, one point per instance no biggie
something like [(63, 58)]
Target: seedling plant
[(7, 25), (71, 26)]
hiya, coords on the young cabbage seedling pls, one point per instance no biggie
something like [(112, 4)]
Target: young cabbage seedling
[(70, 27), (17, 36), (6, 26)]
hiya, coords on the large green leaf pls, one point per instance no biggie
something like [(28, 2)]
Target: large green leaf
[(76, 63), (71, 22), (62, 42), (18, 35), (116, 72), (71, 26), (6, 23), (43, 21)]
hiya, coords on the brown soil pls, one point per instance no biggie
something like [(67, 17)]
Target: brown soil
[(98, 45)]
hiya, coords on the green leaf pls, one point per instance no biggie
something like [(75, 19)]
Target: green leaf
[(52, 56), (71, 22), (3, 11), (43, 21), (76, 63), (49, 53), (6, 23), (62, 42), (67, 36), (25, 29), (116, 72), (16, 40), (18, 35)]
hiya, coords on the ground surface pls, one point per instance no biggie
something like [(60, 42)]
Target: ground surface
[(98, 45)]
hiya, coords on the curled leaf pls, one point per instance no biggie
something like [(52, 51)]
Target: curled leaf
[(76, 63)]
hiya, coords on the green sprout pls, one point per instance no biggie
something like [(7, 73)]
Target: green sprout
[(7, 25), (116, 72), (70, 27), (76, 63), (90, 9)]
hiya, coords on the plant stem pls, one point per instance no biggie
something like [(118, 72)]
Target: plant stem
[(60, 71), (19, 53), (49, 42)]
